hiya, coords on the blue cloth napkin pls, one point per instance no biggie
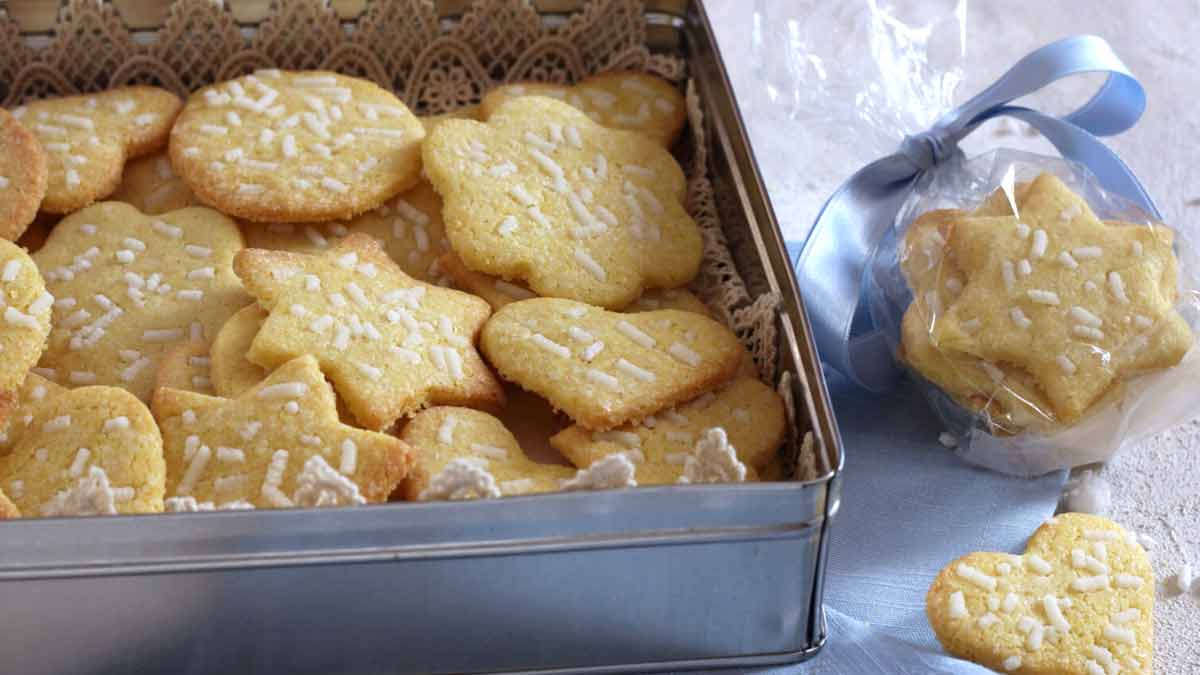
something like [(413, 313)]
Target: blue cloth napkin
[(909, 506)]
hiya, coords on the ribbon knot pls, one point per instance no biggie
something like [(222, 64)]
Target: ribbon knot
[(852, 223), (929, 148)]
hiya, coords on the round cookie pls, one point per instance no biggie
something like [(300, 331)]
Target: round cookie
[(23, 176), (26, 321), (88, 138), (544, 195), (409, 227), (619, 100), (151, 186), (130, 286), (87, 451), (298, 147), (231, 372)]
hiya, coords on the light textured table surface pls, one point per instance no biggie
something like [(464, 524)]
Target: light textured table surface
[(1155, 482)]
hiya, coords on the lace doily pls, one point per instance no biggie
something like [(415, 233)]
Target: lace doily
[(434, 66)]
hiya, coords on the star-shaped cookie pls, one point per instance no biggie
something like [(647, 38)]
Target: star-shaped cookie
[(275, 445), (390, 344), (543, 194), (1075, 301)]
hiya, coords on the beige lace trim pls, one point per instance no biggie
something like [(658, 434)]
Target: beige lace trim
[(433, 66)]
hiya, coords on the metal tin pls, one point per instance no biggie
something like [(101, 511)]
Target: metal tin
[(651, 578)]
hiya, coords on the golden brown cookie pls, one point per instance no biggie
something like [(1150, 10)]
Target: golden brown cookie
[(88, 139), (7, 508), (23, 176), (231, 372), (750, 412), (443, 434), (34, 392), (26, 321), (620, 100), (151, 186), (186, 366), (1076, 302), (129, 286), (543, 195), (278, 445), (296, 147), (1080, 601), (409, 227), (87, 451), (605, 368), (390, 344)]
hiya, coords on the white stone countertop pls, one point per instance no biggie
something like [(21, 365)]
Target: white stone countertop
[(1155, 482)]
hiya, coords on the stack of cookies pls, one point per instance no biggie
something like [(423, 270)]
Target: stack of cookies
[(290, 291), (1033, 311)]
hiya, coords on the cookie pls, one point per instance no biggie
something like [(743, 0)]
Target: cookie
[(296, 147), (390, 344), (230, 371), (499, 292), (150, 185), (1080, 600), (89, 138), (603, 368), (443, 434), (87, 451), (26, 310), (543, 195), (23, 176), (130, 286), (7, 508), (409, 227), (279, 444), (34, 392), (186, 366), (619, 100), (749, 412), (467, 112), (1082, 302)]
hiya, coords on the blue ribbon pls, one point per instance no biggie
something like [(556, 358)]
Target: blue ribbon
[(832, 263)]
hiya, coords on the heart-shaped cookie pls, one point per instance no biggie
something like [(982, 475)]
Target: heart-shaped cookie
[(1080, 600), (605, 368)]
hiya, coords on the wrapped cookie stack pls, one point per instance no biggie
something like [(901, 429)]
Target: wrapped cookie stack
[(289, 291)]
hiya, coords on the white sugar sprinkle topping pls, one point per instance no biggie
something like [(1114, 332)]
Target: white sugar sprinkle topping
[(1043, 297), (976, 577)]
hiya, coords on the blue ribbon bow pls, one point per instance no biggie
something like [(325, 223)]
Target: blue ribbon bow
[(832, 263)]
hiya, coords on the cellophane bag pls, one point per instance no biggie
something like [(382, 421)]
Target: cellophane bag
[(1047, 320), (1089, 344)]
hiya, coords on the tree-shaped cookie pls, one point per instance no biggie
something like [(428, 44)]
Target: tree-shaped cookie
[(1074, 301), (86, 451), (604, 368), (1079, 601), (88, 139), (128, 286), (542, 194), (390, 344), (279, 444), (443, 434)]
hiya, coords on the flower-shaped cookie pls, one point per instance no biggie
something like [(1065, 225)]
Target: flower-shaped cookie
[(1079, 601), (545, 195), (390, 344)]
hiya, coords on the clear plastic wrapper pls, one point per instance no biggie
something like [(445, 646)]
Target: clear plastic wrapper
[(858, 81), (1047, 320)]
